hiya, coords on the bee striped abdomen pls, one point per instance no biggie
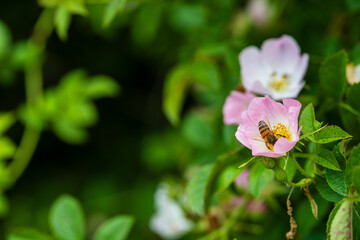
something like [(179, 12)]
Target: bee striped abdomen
[(264, 129)]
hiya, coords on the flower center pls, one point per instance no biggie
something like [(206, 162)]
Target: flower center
[(281, 131), (279, 83)]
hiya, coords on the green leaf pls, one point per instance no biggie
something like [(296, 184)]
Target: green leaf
[(336, 181), (195, 190), (339, 223), (198, 130), (326, 191), (259, 178), (326, 159), (5, 39), (6, 121), (356, 177), (116, 228), (27, 234), (187, 17), (101, 86), (66, 218), (219, 178), (7, 148), (332, 75), (62, 22), (207, 74), (352, 162), (69, 132), (175, 89), (353, 96), (331, 134), (307, 119), (113, 8)]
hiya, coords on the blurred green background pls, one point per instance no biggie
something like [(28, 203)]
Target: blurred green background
[(133, 147)]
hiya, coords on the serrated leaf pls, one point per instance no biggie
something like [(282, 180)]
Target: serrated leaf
[(352, 162), (326, 191), (116, 228), (331, 134), (195, 190), (326, 159), (340, 222), (175, 90), (336, 180), (332, 75), (66, 218), (259, 178), (307, 119), (27, 234), (113, 8), (62, 21)]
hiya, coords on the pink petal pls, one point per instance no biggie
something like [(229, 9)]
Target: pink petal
[(281, 54), (268, 110), (293, 107), (283, 145), (235, 104), (252, 68), (300, 70)]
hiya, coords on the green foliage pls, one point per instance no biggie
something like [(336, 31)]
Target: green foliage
[(259, 178), (68, 108), (353, 96), (62, 21), (326, 191), (331, 134), (5, 39), (67, 218), (187, 17), (339, 225), (27, 234), (352, 162), (332, 75), (113, 8), (327, 159), (198, 130), (307, 120), (116, 228), (195, 190), (355, 177), (74, 6)]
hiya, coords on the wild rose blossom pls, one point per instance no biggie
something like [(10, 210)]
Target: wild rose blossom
[(169, 221), (353, 73), (234, 105), (276, 70), (282, 120)]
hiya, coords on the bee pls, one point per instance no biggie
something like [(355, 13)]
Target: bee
[(268, 135)]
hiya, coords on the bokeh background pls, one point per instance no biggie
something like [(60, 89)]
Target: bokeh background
[(133, 147)]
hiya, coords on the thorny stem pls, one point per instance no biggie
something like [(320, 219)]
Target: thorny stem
[(33, 88)]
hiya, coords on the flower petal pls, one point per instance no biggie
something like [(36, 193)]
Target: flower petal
[(299, 72), (252, 67), (293, 107), (234, 105), (283, 145), (282, 54)]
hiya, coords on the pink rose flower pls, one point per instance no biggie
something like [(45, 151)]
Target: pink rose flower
[(234, 105), (276, 70), (282, 122)]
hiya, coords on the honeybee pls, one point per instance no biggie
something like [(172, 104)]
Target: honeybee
[(268, 135)]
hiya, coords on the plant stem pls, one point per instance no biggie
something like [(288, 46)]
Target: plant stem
[(33, 88)]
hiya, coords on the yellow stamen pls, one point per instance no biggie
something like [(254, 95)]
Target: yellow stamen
[(279, 83), (281, 131)]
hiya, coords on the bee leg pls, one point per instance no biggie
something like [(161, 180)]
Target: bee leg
[(279, 135)]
